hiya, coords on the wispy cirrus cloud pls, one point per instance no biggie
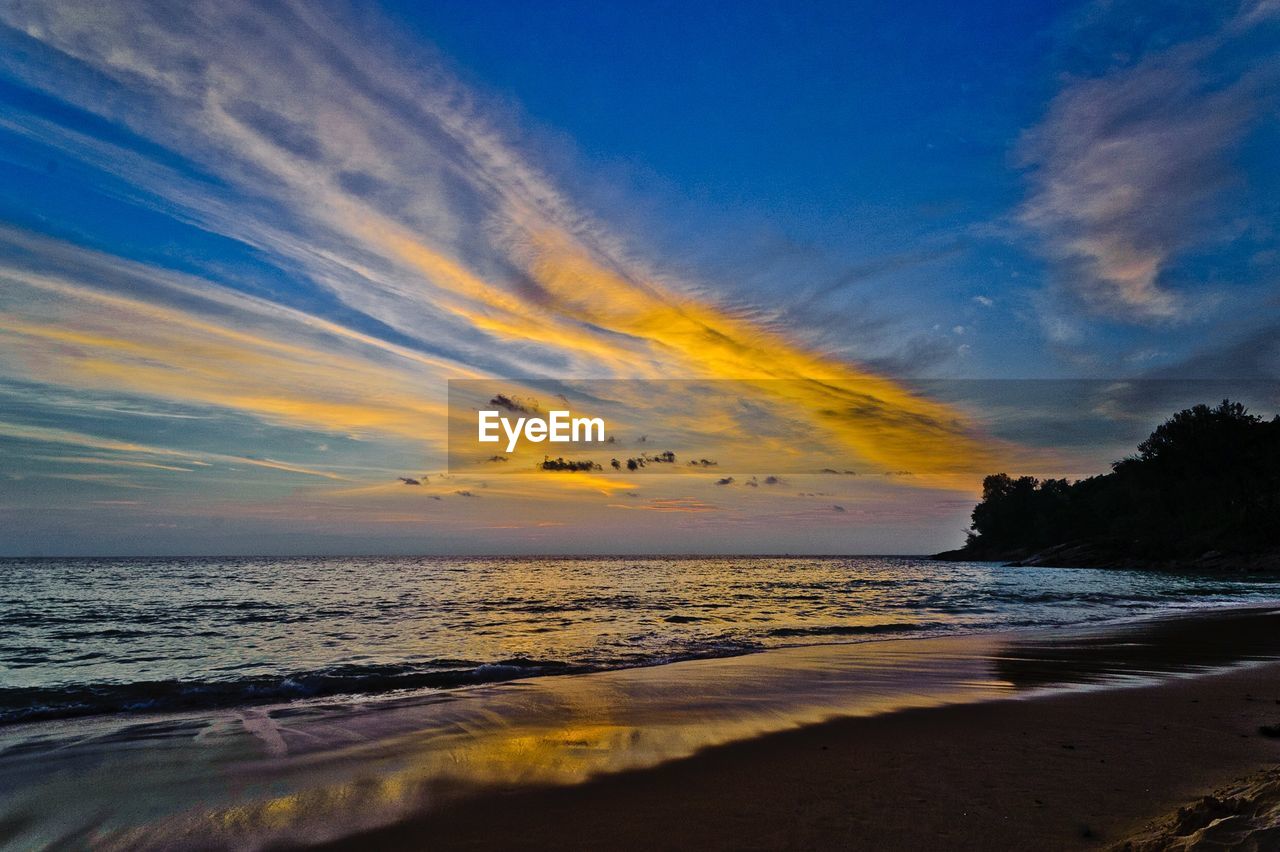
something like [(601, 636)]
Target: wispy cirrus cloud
[(54, 436), (382, 184), (75, 323), (1128, 165)]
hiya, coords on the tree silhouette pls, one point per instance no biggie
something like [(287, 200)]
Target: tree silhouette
[(1206, 479)]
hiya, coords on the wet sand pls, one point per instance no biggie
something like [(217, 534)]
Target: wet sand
[(1035, 739), (1068, 771)]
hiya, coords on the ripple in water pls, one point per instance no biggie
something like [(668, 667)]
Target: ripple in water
[(81, 637)]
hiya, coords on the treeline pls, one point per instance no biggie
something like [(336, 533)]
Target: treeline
[(1208, 479)]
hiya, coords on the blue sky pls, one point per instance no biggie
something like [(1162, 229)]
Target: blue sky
[(243, 247), (856, 144), (874, 151)]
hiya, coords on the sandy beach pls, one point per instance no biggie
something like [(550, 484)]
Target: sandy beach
[(1073, 771), (1049, 739)]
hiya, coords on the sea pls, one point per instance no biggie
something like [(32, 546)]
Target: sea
[(88, 637)]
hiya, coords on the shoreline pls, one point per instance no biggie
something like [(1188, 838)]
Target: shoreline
[(1105, 556), (1082, 769), (450, 680), (388, 770)]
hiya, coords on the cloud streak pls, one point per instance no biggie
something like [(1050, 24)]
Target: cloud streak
[(376, 232), (392, 191), (220, 349), (1124, 167)]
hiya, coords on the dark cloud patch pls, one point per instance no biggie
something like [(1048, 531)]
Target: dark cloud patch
[(277, 129), (728, 480), (834, 472), (1126, 408), (886, 265), (703, 463), (919, 354), (570, 465), (515, 404), (360, 184), (645, 460), (1253, 356)]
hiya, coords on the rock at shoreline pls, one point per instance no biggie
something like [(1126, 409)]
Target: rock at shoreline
[(1111, 555)]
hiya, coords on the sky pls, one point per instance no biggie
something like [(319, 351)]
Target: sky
[(244, 248)]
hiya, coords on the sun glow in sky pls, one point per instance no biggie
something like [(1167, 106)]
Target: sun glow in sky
[(244, 247)]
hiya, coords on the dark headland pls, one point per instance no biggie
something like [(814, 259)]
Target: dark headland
[(1202, 493)]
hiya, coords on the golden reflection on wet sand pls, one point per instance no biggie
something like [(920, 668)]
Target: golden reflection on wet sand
[(322, 770)]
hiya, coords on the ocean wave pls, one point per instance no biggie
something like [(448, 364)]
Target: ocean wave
[(170, 696), (88, 637), (899, 627), (30, 705)]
